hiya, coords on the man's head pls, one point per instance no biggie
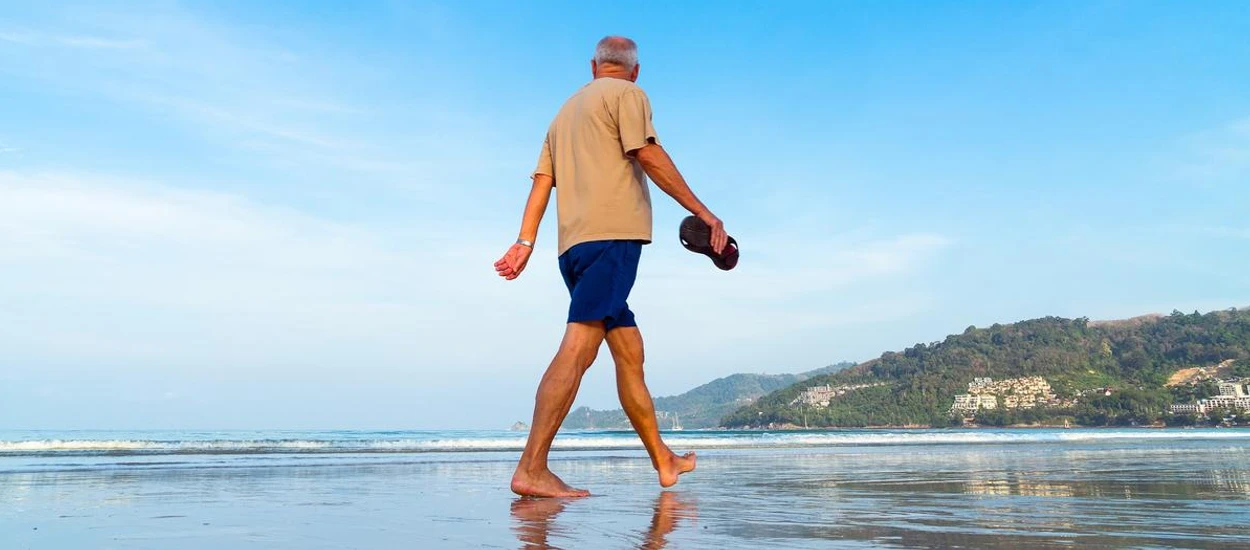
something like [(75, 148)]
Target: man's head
[(615, 57)]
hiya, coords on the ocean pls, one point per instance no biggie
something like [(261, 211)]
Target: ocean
[(954, 488)]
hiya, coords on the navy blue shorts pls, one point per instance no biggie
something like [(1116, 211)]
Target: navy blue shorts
[(600, 275)]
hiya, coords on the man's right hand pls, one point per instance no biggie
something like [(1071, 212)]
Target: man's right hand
[(719, 237), (513, 261)]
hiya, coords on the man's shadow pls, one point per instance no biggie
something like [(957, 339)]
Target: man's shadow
[(534, 520)]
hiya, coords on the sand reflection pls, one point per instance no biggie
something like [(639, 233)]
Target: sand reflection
[(536, 528)]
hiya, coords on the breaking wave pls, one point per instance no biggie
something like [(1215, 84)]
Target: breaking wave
[(436, 442)]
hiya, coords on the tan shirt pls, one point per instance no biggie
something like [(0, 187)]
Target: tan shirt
[(601, 192)]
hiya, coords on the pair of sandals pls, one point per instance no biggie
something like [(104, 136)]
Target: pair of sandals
[(696, 236)]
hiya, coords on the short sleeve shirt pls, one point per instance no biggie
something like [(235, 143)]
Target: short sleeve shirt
[(601, 191)]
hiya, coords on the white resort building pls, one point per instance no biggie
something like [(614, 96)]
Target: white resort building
[(1188, 408), (1232, 389), (816, 396), (971, 403), (1016, 393), (1233, 395), (820, 396)]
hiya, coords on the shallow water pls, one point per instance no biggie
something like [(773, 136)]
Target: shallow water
[(1108, 489)]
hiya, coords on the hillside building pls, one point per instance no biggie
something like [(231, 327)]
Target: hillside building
[(1232, 389), (1188, 408), (971, 403), (816, 396), (1016, 393), (1233, 396)]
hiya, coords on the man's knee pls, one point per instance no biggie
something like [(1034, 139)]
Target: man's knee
[(584, 358), (582, 342)]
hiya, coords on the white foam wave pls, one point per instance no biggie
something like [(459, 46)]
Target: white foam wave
[(595, 441)]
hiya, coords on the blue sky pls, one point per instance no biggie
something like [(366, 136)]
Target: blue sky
[(260, 215)]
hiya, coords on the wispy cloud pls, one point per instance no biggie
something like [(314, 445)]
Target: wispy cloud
[(285, 111), (149, 270), (151, 235), (76, 242), (98, 43), (18, 37), (73, 243), (1219, 232), (71, 41), (1218, 154), (4, 150), (322, 106), (790, 292)]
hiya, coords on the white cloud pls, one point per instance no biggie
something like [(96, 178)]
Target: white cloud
[(1219, 153), (98, 43), (780, 267), (85, 244), (18, 37), (1220, 232), (89, 242), (71, 41), (786, 283), (103, 224), (122, 274), (287, 112), (322, 106)]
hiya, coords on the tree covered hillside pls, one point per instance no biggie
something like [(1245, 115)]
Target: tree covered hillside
[(1133, 357), (701, 407)]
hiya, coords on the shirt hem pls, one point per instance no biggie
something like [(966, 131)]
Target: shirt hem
[(644, 237)]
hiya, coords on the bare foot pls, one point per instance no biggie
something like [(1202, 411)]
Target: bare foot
[(674, 466), (544, 484)]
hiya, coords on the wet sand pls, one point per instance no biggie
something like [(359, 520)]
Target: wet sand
[(1183, 494)]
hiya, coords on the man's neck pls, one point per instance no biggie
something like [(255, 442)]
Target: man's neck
[(612, 74)]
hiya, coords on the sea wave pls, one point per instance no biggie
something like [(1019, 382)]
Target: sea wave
[(586, 441)]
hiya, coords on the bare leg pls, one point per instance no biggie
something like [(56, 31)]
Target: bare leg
[(552, 403), (669, 508), (627, 351)]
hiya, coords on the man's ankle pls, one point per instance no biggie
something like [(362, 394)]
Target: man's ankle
[(531, 469)]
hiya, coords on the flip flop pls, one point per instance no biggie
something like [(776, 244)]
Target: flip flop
[(696, 236)]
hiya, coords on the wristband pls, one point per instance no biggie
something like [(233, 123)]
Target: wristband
[(524, 242)]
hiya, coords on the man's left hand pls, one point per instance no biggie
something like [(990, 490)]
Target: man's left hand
[(513, 261)]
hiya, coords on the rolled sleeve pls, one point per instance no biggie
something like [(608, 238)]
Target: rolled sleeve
[(634, 122), (545, 165)]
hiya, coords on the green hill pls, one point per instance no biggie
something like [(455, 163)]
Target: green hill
[(702, 407), (1133, 358)]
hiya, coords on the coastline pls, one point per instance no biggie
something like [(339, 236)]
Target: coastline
[(854, 491), (795, 427)]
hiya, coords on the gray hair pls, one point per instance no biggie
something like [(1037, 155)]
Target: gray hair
[(617, 50)]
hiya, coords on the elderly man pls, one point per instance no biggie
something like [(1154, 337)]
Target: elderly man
[(595, 155)]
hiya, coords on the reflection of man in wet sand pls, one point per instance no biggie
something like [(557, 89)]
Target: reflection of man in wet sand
[(595, 155), (669, 508), (534, 520)]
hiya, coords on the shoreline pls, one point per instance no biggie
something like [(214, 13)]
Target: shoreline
[(1182, 492), (792, 427)]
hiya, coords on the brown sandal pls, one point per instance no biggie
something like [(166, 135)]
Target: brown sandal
[(696, 236)]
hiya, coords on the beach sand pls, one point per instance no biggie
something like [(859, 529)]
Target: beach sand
[(991, 496)]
